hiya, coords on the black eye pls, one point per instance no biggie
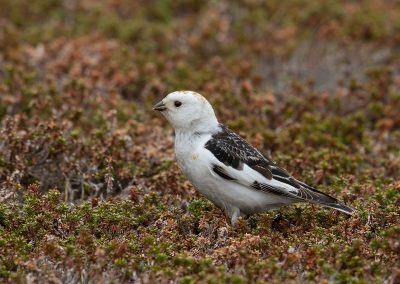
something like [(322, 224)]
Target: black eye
[(177, 103)]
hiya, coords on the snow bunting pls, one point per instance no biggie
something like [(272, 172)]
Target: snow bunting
[(226, 169)]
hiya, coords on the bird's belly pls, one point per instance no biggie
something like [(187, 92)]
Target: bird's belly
[(231, 195), (228, 195)]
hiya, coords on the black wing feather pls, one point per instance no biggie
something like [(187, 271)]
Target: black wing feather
[(232, 150), (221, 172)]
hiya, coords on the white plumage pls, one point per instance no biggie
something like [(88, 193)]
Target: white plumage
[(226, 169)]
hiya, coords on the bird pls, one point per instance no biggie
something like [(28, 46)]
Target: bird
[(225, 168)]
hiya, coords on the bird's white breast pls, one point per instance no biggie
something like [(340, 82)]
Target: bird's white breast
[(188, 148), (195, 163)]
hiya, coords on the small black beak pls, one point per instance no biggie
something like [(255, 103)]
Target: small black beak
[(160, 106)]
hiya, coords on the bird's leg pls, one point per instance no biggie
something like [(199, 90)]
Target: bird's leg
[(234, 214)]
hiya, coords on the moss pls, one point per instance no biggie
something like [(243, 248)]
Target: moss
[(197, 206)]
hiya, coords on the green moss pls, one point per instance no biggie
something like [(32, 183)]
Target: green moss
[(196, 207)]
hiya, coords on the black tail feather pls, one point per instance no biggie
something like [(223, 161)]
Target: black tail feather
[(341, 207), (315, 196)]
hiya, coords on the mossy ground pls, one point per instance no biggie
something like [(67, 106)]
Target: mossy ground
[(89, 188)]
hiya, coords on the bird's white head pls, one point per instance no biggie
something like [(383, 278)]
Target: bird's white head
[(188, 111)]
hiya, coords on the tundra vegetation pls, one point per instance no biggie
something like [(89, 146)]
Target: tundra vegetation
[(89, 188)]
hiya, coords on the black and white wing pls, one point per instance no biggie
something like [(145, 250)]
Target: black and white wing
[(244, 164)]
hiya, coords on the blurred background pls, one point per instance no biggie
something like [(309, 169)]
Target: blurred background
[(314, 83), (98, 66)]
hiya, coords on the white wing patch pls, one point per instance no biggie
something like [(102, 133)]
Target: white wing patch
[(246, 177)]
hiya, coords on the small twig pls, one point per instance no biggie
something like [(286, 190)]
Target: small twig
[(7, 196)]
